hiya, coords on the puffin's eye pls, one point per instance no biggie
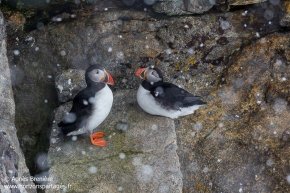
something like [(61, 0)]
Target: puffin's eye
[(97, 72)]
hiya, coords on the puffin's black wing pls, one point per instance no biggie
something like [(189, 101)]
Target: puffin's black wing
[(171, 96), (80, 111)]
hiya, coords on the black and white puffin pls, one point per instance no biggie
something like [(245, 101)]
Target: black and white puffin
[(162, 98), (91, 106)]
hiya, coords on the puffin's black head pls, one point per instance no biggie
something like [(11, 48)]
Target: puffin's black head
[(150, 74), (97, 74)]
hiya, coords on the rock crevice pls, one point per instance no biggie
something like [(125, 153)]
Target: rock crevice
[(12, 163)]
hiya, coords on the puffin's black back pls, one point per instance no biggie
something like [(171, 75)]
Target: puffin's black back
[(169, 95)]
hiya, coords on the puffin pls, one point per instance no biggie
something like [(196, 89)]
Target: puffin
[(90, 106), (157, 97)]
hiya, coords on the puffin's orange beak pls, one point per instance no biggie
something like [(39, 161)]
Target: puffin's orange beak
[(139, 72), (110, 80)]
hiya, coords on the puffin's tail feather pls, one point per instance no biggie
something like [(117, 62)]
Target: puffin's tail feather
[(200, 102), (193, 100)]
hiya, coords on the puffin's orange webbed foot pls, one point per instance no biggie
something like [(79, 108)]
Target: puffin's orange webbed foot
[(99, 134), (97, 139)]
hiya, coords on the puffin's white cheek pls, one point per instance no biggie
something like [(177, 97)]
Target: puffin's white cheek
[(97, 78), (152, 78), (92, 77)]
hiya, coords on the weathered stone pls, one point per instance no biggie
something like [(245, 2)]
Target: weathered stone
[(12, 163), (193, 52), (69, 83), (179, 7), (185, 7), (40, 4), (244, 2), (239, 142), (122, 126), (143, 159), (285, 20)]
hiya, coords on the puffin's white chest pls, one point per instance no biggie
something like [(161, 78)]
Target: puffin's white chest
[(102, 103), (147, 102)]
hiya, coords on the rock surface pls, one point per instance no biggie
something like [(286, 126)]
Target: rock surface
[(193, 51), (12, 163), (230, 146), (69, 83), (241, 140), (178, 7), (141, 159), (244, 2), (186, 7), (285, 20)]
